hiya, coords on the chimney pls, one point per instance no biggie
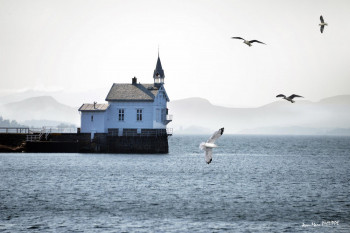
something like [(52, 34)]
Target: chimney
[(134, 80), (95, 105)]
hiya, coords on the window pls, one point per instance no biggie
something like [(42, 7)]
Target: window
[(139, 115), (121, 115), (92, 117)]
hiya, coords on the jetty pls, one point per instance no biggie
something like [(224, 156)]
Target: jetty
[(69, 140), (133, 119)]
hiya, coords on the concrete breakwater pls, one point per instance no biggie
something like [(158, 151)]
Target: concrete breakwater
[(82, 143)]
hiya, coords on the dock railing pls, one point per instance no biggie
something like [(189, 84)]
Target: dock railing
[(14, 130), (148, 132), (52, 129), (38, 134)]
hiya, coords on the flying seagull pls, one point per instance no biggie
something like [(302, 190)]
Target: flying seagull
[(322, 24), (209, 145), (289, 98), (248, 42)]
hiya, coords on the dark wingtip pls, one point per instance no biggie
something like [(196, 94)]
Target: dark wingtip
[(222, 130), (209, 161)]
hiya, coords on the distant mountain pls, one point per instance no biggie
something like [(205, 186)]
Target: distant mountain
[(73, 99), (279, 116), (199, 116), (42, 108)]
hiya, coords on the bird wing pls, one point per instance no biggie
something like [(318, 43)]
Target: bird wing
[(321, 28), (216, 135), (252, 41), (237, 38), (321, 18), (208, 155), (280, 95), (294, 95)]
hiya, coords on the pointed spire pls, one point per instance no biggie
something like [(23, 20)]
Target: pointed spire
[(158, 72)]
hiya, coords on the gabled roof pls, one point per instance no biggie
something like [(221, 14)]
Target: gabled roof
[(93, 107), (132, 92)]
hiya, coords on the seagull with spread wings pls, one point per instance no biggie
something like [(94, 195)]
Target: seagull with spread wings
[(289, 98), (322, 24), (209, 145), (247, 42)]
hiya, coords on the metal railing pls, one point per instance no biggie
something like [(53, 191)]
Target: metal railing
[(169, 117), (49, 129), (14, 130), (169, 131), (148, 132), (33, 137), (37, 134)]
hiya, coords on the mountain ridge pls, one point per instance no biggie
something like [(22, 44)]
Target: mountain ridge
[(45, 108), (330, 112), (201, 116)]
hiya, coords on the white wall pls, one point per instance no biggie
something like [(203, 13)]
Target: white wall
[(153, 114), (149, 114), (159, 109), (130, 110), (97, 125)]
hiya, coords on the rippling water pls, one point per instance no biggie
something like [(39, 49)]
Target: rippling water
[(254, 184)]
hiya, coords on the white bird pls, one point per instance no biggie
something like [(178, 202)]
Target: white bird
[(209, 145), (322, 24), (247, 42), (289, 98)]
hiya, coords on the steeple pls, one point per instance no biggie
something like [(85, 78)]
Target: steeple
[(158, 74)]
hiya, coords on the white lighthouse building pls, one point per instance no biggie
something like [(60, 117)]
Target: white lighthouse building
[(132, 109)]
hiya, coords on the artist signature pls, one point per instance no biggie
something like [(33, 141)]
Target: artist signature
[(322, 224)]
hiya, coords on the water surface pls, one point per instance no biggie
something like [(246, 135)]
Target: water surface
[(254, 184)]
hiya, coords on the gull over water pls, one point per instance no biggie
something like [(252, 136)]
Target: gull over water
[(210, 144)]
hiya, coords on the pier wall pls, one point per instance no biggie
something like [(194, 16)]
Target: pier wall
[(82, 143), (131, 144), (12, 139)]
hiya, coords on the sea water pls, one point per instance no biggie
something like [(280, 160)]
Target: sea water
[(254, 184)]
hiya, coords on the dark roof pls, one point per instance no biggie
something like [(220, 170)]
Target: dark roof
[(159, 70), (92, 108), (132, 92)]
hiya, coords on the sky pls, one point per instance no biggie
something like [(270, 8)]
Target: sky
[(81, 45)]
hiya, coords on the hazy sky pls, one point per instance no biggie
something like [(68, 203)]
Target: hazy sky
[(82, 45)]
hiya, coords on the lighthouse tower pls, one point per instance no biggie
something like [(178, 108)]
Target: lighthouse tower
[(158, 74)]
